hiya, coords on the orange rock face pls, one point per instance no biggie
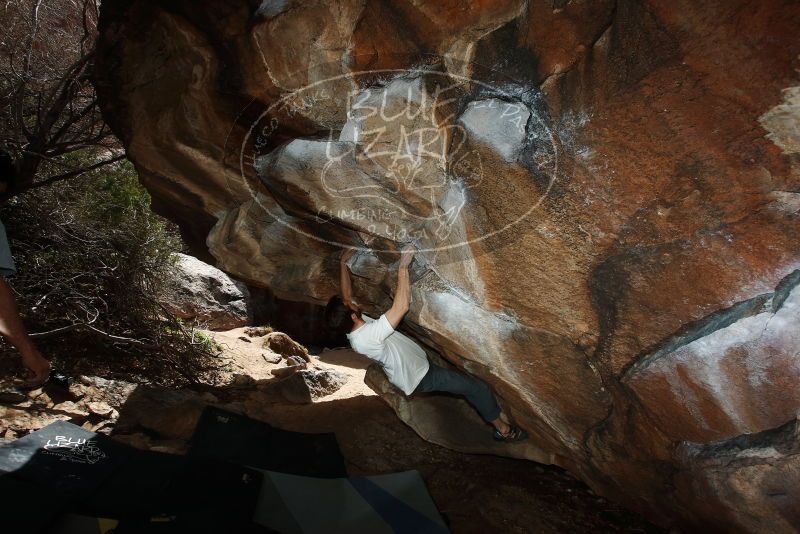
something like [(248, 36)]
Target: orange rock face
[(604, 194)]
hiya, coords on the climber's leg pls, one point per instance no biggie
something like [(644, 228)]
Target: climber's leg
[(476, 392), (11, 327)]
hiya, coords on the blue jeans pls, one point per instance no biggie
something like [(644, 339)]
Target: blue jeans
[(6, 261), (477, 393)]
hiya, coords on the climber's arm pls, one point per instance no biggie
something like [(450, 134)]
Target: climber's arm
[(344, 277), (402, 296)]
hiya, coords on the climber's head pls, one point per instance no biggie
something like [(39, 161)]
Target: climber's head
[(341, 317)]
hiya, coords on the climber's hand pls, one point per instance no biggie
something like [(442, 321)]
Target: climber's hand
[(347, 254), (406, 255)]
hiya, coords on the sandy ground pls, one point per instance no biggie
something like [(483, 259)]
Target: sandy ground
[(246, 355)]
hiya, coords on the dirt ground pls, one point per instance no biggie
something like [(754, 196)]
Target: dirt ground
[(475, 493)]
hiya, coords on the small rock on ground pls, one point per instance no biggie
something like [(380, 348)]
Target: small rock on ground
[(285, 346), (307, 385), (271, 357)]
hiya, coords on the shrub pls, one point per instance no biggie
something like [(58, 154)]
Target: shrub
[(92, 261)]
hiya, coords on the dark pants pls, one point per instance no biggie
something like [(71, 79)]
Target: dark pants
[(477, 393)]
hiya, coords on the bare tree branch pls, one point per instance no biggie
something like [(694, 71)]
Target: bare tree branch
[(75, 173), (48, 107)]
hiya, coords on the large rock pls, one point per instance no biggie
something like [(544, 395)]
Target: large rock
[(754, 479), (607, 218), (169, 413), (201, 292)]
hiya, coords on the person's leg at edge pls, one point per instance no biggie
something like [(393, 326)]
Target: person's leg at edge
[(476, 392), (13, 330)]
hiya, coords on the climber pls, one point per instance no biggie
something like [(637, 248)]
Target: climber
[(11, 326), (404, 362)]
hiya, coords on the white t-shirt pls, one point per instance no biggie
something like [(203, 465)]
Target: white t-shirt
[(403, 361)]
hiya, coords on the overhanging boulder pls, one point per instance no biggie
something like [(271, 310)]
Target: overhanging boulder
[(599, 215)]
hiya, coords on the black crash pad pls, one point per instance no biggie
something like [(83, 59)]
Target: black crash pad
[(137, 487), (203, 495), (238, 439), (64, 469), (64, 459), (28, 507)]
